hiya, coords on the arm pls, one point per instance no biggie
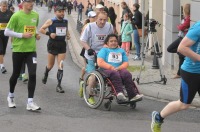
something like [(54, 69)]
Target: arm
[(124, 65), (68, 35), (11, 33), (85, 36), (185, 25), (101, 63), (130, 29), (45, 26), (184, 48), (85, 45)]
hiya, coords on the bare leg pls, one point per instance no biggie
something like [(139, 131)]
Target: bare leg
[(173, 107)]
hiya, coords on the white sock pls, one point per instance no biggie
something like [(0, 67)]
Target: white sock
[(1, 65), (30, 100), (11, 95)]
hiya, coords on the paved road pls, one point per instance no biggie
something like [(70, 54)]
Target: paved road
[(68, 113)]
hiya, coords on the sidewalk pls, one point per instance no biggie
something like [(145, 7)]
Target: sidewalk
[(168, 92)]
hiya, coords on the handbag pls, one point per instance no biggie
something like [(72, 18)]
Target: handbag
[(140, 31)]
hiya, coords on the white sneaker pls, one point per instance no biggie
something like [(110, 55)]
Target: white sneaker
[(136, 58), (121, 97), (137, 97), (33, 106), (11, 102)]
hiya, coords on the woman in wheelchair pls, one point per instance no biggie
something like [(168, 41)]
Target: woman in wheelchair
[(113, 60)]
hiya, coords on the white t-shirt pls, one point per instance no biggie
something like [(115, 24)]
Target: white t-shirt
[(95, 36)]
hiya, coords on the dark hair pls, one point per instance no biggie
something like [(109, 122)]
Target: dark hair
[(124, 3), (112, 15), (86, 22), (109, 36), (101, 2), (137, 6)]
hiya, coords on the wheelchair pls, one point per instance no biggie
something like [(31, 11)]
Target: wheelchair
[(103, 90)]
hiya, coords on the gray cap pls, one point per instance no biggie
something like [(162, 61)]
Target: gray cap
[(58, 8)]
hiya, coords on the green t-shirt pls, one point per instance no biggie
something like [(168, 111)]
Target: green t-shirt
[(21, 22)]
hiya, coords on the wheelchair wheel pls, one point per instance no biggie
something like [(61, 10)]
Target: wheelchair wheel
[(107, 105), (133, 105), (97, 92)]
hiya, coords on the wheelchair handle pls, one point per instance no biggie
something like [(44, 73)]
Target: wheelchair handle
[(95, 60)]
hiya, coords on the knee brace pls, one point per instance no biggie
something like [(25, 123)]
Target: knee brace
[(59, 75)]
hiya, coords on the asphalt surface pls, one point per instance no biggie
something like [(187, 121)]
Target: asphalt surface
[(69, 113)]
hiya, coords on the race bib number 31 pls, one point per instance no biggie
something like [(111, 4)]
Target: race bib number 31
[(3, 26), (29, 29), (115, 57)]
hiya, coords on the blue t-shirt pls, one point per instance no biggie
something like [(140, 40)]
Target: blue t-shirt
[(194, 34), (114, 57)]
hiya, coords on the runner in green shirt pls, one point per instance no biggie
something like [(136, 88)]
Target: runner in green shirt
[(22, 27)]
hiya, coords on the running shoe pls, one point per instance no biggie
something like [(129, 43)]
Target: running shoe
[(20, 77), (81, 89), (3, 70), (11, 102), (121, 97), (24, 78), (59, 89), (155, 124), (137, 97), (91, 100), (44, 79), (33, 106)]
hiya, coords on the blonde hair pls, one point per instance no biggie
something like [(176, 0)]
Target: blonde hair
[(186, 9)]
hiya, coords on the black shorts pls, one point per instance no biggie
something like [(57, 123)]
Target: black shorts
[(190, 85), (3, 44), (82, 52), (56, 47)]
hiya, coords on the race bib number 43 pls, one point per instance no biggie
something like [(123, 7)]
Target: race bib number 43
[(3, 26), (115, 57), (30, 29)]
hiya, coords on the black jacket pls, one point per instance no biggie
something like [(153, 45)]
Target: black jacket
[(137, 19)]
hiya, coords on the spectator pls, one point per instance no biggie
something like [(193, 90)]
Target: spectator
[(80, 10), (69, 7), (75, 3), (183, 28), (137, 24), (125, 10), (41, 3), (88, 9), (126, 31), (112, 15)]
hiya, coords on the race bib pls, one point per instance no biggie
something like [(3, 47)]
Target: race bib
[(115, 57), (61, 31), (30, 29), (34, 60), (100, 37), (3, 26)]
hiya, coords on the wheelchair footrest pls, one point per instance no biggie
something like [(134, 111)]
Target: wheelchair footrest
[(128, 102)]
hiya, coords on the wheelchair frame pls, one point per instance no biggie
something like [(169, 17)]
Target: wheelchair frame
[(101, 90)]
